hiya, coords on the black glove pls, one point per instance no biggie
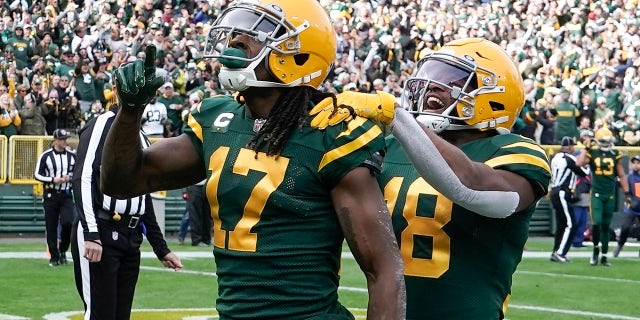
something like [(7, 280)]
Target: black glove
[(137, 82)]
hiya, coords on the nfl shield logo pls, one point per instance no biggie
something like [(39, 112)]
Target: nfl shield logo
[(114, 235), (257, 124)]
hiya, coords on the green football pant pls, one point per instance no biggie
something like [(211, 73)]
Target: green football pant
[(602, 207)]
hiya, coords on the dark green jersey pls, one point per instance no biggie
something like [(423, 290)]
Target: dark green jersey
[(22, 52), (566, 121), (174, 106), (65, 70), (277, 240), (87, 87), (603, 168), (458, 264)]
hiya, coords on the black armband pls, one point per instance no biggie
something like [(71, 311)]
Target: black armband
[(374, 163)]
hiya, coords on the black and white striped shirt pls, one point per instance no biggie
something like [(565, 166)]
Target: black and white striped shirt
[(86, 188), (564, 171), (55, 164)]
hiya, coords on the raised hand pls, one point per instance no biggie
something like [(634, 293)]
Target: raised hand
[(377, 106), (326, 115), (137, 82)]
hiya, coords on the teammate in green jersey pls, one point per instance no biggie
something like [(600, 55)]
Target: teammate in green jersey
[(461, 188), (606, 168), (283, 194)]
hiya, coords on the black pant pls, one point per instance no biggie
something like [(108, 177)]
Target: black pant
[(58, 209), (107, 287), (565, 220), (625, 229), (199, 215)]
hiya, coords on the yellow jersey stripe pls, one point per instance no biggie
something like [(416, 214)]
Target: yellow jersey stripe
[(530, 146), (352, 124), (529, 117), (346, 149), (505, 303), (195, 126), (519, 158), (568, 113)]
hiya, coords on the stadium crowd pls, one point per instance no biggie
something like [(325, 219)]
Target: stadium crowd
[(579, 58)]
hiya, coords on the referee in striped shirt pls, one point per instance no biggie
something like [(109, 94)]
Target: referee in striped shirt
[(107, 236), (54, 169), (564, 173)]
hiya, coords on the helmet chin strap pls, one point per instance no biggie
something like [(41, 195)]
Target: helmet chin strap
[(244, 78), (605, 148), (435, 123), (232, 77)]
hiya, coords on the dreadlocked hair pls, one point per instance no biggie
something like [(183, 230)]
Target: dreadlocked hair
[(285, 116)]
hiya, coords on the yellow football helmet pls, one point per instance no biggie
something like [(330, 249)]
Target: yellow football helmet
[(298, 36), (604, 139), (482, 79)]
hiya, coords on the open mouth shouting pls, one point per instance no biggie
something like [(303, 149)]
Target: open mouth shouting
[(434, 103)]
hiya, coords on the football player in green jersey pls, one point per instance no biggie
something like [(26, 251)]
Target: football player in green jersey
[(606, 168), (460, 186), (284, 196)]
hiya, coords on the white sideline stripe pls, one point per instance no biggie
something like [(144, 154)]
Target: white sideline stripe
[(515, 306), (213, 274), (535, 273), (195, 254), (10, 317), (61, 315), (201, 273), (630, 253), (573, 276), (67, 314), (575, 312)]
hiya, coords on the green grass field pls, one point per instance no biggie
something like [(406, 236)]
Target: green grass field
[(541, 290)]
